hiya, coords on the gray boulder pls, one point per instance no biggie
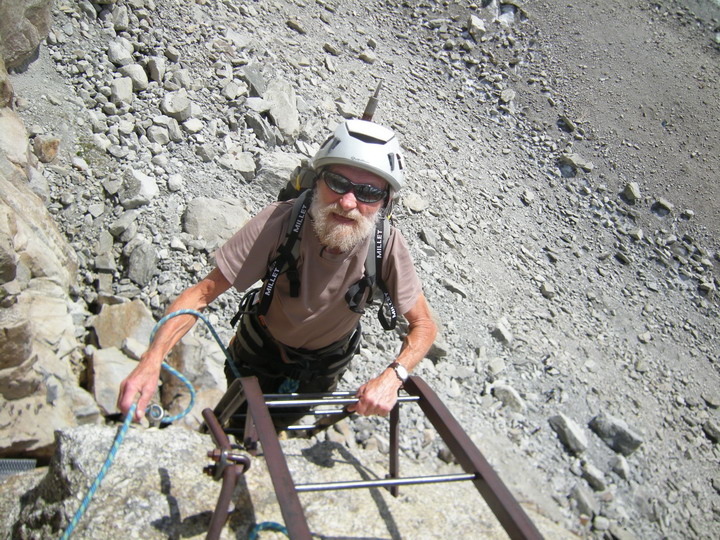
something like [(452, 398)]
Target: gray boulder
[(23, 25), (569, 433), (616, 434), (214, 220), (38, 347)]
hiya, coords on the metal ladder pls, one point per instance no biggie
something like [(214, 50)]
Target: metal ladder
[(229, 465)]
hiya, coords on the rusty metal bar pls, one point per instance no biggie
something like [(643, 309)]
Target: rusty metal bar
[(508, 511), (387, 482), (231, 401), (395, 447), (298, 402), (230, 476), (285, 491)]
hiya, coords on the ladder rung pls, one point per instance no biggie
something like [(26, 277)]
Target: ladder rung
[(410, 480)]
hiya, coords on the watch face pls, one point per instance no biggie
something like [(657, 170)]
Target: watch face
[(402, 372)]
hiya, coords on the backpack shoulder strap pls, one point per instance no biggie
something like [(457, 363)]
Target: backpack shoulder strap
[(363, 291), (287, 255)]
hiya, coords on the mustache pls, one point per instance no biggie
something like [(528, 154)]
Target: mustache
[(335, 208)]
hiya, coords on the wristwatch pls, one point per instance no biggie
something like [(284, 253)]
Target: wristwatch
[(400, 371)]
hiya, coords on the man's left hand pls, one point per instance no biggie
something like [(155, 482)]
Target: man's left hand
[(377, 396)]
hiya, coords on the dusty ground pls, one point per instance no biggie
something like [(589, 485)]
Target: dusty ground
[(631, 325)]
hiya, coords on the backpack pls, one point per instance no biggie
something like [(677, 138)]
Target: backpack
[(360, 293)]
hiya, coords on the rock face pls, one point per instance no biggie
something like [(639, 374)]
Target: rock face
[(38, 347), (23, 25), (155, 489)]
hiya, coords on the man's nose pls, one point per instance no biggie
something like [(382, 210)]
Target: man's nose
[(348, 201)]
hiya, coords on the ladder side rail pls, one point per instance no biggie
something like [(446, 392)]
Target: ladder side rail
[(498, 497), (230, 476), (285, 491), (394, 468)]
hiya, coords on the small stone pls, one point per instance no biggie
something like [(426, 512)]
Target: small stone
[(593, 476), (712, 398), (631, 193), (205, 152), (585, 500), (46, 148), (712, 431), (509, 397), (368, 56), (662, 207), (172, 54), (616, 434), (295, 25), (569, 433), (507, 95), (547, 290), (332, 49), (414, 202), (576, 162), (527, 197), (601, 523), (454, 287), (476, 28), (502, 332), (620, 467)]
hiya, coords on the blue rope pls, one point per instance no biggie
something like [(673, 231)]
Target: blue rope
[(126, 424), (267, 526), (288, 386), (172, 370), (202, 317), (99, 478)]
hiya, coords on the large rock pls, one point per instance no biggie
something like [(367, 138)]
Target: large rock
[(283, 107), (13, 140), (23, 25), (155, 489), (275, 170), (109, 367), (6, 89), (214, 220), (201, 361), (39, 352), (115, 323), (39, 389)]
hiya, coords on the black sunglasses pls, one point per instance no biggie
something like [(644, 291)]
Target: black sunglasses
[(364, 193)]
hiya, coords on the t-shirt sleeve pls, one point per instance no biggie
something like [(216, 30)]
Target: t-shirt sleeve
[(244, 258), (399, 273)]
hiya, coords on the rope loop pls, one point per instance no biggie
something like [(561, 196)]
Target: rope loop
[(267, 526)]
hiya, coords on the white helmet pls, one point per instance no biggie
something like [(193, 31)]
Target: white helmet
[(365, 145)]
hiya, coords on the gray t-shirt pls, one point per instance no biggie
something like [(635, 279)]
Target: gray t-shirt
[(320, 315)]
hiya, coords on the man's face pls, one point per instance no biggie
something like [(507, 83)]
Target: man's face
[(341, 221)]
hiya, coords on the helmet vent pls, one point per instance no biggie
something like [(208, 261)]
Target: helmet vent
[(330, 138), (391, 160), (367, 138), (335, 142)]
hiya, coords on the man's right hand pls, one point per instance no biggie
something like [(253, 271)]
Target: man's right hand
[(143, 380)]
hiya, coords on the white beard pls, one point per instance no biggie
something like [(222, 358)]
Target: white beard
[(340, 236)]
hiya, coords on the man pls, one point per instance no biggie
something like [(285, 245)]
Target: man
[(310, 330)]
